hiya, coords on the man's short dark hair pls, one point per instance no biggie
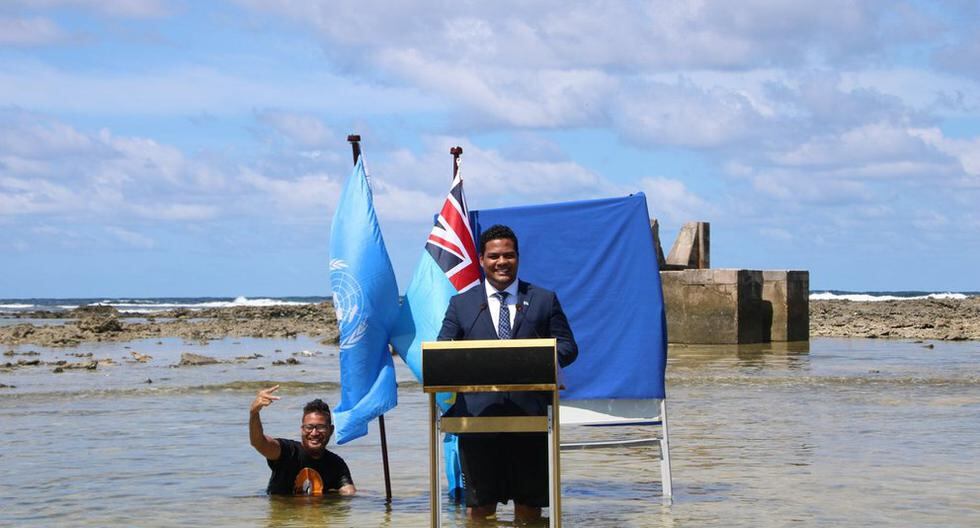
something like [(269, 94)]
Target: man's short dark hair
[(497, 232), (318, 406)]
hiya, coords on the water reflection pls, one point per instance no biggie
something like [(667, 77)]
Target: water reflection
[(792, 355), (504, 517), (326, 510)]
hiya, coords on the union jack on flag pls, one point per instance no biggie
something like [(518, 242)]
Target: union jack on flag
[(451, 241)]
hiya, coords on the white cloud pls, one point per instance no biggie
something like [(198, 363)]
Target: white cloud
[(929, 220), (315, 194), (34, 196), (539, 98), (870, 143), (47, 166), (966, 151), (686, 115), (654, 35), (303, 129), (115, 8), (138, 158), (921, 89), (491, 179), (776, 233), (802, 188), (962, 56), (670, 201), (29, 135), (175, 211), (171, 89), (13, 164), (494, 180), (553, 64), (131, 238), (398, 204), (62, 237), (35, 31)]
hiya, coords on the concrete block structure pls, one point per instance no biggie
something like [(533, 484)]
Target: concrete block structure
[(692, 248), (728, 306), (716, 306), (788, 294)]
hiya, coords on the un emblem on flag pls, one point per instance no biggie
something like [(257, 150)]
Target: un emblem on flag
[(348, 298)]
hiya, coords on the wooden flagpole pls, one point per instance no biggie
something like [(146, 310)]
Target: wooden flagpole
[(355, 145)]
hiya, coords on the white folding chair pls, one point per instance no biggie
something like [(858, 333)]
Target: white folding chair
[(651, 413)]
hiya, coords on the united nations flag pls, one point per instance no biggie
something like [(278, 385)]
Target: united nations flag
[(365, 297)]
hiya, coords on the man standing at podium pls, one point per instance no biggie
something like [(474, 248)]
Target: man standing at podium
[(498, 467)]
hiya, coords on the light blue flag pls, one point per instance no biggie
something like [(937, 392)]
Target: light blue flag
[(420, 319), (365, 297), (448, 266), (422, 312)]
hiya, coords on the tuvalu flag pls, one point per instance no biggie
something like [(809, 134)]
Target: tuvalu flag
[(448, 266), (365, 297)]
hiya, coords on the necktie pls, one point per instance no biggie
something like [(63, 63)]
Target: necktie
[(503, 322)]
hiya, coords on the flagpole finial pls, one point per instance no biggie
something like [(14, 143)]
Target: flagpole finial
[(456, 151), (355, 145)]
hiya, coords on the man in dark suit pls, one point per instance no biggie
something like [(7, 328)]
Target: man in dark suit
[(498, 467)]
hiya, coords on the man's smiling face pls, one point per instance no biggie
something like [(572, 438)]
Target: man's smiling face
[(499, 260), (315, 431)]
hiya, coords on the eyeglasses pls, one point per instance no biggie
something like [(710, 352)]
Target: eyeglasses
[(320, 428)]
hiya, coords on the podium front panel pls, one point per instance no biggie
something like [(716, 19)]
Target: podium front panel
[(489, 362)]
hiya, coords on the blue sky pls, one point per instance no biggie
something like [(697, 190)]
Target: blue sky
[(152, 148)]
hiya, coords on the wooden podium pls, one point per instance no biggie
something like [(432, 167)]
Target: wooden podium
[(492, 366)]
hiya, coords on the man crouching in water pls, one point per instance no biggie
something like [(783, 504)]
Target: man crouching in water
[(305, 468)]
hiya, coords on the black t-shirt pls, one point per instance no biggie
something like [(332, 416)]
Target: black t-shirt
[(297, 473)]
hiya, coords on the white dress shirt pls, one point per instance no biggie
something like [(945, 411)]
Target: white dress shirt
[(493, 303)]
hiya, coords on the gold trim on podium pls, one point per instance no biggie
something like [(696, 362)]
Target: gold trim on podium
[(495, 424), (488, 343)]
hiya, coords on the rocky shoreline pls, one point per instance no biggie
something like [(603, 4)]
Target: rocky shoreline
[(926, 319), (105, 323), (933, 319)]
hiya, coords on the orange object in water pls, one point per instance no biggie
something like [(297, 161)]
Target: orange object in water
[(308, 482)]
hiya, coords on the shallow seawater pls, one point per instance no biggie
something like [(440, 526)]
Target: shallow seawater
[(840, 432)]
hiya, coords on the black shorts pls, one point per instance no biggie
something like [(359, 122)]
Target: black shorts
[(498, 467)]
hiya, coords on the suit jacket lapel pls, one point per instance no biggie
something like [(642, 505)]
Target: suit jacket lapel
[(522, 299)]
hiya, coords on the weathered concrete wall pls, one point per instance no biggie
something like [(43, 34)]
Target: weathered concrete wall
[(788, 292), (721, 306)]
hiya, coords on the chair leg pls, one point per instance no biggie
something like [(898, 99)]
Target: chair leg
[(665, 478)]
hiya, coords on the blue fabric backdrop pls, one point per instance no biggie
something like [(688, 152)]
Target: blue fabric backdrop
[(598, 255)]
